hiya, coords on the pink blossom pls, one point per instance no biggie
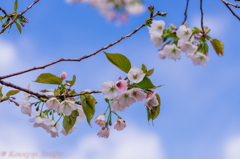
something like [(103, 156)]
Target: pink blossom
[(109, 90), (121, 85), (115, 105), (104, 132), (137, 94), (125, 99), (100, 120), (63, 75), (53, 103), (70, 131), (151, 101), (120, 124)]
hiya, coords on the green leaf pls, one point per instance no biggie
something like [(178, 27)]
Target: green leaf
[(120, 61), (146, 83), (150, 72), (72, 81), (19, 27), (196, 30), (48, 78), (88, 105), (12, 92), (1, 92), (218, 46), (205, 47), (9, 28), (69, 121), (1, 17), (153, 114), (144, 68), (15, 5), (72, 92)]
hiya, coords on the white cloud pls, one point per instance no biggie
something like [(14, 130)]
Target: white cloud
[(218, 24), (232, 148), (7, 53), (128, 144)]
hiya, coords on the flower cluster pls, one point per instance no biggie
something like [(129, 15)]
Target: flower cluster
[(123, 94), (116, 9), (182, 41)]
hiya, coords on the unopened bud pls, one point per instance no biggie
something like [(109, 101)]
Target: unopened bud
[(68, 84), (119, 78), (63, 75), (42, 90), (13, 98), (26, 21), (206, 53), (16, 103), (66, 91), (199, 34), (196, 43), (110, 123), (23, 25), (163, 14), (173, 26), (128, 83), (37, 109), (179, 57)]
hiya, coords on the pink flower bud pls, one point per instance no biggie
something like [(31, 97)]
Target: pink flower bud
[(42, 90), (68, 84), (11, 100), (119, 78), (128, 83), (120, 124), (179, 57), (198, 34), (66, 91), (196, 43), (63, 75), (23, 25), (26, 21), (207, 54)]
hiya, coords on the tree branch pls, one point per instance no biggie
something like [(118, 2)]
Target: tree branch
[(18, 16), (79, 59), (40, 96), (227, 5), (4, 12), (185, 13), (203, 32), (234, 5)]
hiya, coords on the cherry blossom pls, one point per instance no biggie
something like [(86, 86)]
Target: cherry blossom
[(100, 120), (135, 8), (184, 33), (81, 114), (104, 132), (151, 101), (26, 96), (185, 46), (40, 120), (26, 107), (66, 107), (115, 105), (125, 99), (135, 75), (137, 94), (157, 28), (200, 58), (109, 90), (120, 124), (121, 85), (53, 103), (70, 131), (162, 54), (156, 40), (53, 129), (172, 51), (63, 75)]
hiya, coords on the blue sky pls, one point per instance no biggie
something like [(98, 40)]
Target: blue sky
[(199, 115)]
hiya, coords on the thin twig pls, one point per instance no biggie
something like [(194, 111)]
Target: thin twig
[(78, 59), (4, 12), (185, 13), (226, 3), (234, 5), (203, 32), (18, 16), (8, 84)]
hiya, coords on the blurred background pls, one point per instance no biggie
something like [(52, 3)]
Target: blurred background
[(200, 109)]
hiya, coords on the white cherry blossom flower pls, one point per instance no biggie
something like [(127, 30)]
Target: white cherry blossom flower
[(185, 46), (81, 114), (121, 85), (172, 51), (66, 107), (125, 99), (100, 120), (137, 94), (53, 129), (40, 120), (120, 124), (115, 105), (200, 58), (162, 54), (53, 103), (104, 132), (151, 101), (190, 54), (70, 131), (157, 28), (157, 40), (184, 33), (135, 75), (26, 107), (109, 90), (26, 96), (135, 8)]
